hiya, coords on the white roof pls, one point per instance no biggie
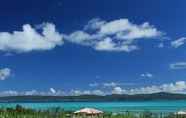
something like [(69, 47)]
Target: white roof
[(89, 111), (181, 113)]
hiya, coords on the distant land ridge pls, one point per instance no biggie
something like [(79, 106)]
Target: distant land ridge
[(96, 98)]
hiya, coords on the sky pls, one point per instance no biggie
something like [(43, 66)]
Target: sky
[(67, 47)]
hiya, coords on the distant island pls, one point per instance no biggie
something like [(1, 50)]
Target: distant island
[(96, 98)]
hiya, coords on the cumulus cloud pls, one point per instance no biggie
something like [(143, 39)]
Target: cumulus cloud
[(118, 90), (31, 39), (5, 73), (176, 87), (51, 92), (119, 35), (147, 75), (179, 86), (79, 37), (75, 92), (179, 42), (124, 29), (178, 65), (79, 92), (9, 93), (87, 92), (98, 92), (116, 35), (32, 92), (94, 24), (108, 44), (110, 84)]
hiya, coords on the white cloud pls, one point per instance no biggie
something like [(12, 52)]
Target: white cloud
[(5, 73), (29, 39), (75, 92), (171, 87), (108, 45), (9, 93), (94, 24), (124, 29), (118, 90), (110, 84), (116, 35), (179, 42), (178, 65), (179, 86), (86, 92), (79, 37), (98, 92), (32, 92), (52, 90), (79, 92), (147, 75)]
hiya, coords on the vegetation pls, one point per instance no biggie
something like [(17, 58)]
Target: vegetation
[(20, 112)]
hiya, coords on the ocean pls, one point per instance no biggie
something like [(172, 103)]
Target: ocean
[(153, 106)]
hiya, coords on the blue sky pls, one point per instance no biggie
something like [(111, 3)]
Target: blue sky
[(63, 47)]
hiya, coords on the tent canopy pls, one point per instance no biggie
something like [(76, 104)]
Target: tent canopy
[(89, 111), (181, 112)]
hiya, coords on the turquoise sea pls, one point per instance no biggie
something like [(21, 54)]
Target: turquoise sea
[(155, 106)]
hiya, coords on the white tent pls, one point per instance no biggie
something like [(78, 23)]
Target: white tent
[(181, 113), (90, 111)]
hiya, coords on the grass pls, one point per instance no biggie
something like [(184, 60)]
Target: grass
[(20, 112)]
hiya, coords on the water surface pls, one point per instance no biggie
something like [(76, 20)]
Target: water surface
[(155, 106)]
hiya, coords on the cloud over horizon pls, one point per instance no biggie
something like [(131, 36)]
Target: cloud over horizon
[(176, 87)]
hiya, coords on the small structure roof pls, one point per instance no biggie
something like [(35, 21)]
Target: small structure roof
[(89, 111), (181, 112)]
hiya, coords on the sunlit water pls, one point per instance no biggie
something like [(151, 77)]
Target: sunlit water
[(155, 106)]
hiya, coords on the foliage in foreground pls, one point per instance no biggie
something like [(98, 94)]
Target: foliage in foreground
[(20, 112)]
